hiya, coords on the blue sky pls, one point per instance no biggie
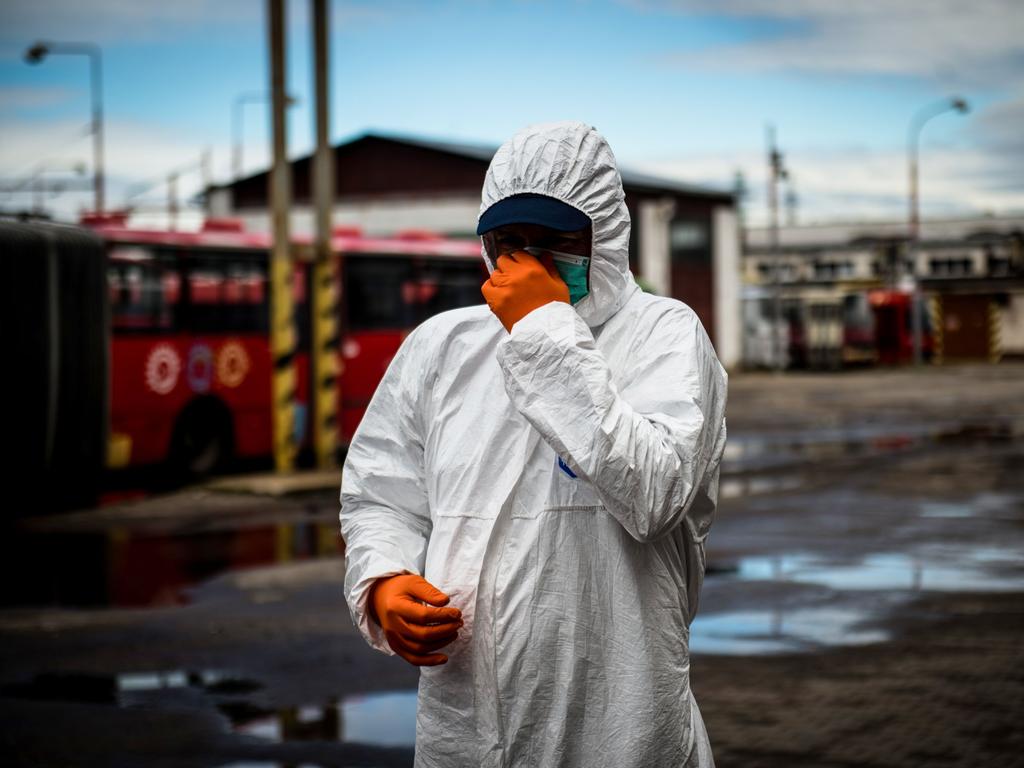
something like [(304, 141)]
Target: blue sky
[(680, 88)]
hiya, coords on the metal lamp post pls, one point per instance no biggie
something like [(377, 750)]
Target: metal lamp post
[(917, 122), (40, 51), (238, 123), (776, 173)]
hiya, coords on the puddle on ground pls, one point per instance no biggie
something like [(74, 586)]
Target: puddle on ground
[(126, 568), (939, 567), (378, 719), (736, 487), (989, 505), (931, 567), (751, 453), (129, 688), (748, 633), (385, 719)]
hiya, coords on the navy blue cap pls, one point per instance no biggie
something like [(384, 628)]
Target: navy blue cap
[(530, 208)]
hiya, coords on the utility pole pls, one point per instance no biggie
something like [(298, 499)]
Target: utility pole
[(206, 168), (282, 320), (922, 116), (238, 125), (775, 173), (324, 303), (40, 51), (172, 201), (792, 201)]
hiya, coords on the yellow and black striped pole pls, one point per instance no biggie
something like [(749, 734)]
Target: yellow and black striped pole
[(324, 304), (995, 332), (282, 353), (282, 313), (325, 364), (935, 315)]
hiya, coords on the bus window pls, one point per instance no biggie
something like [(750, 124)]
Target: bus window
[(444, 285), (227, 293), (374, 293), (144, 290)]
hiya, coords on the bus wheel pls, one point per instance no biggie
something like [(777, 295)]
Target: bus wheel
[(202, 442)]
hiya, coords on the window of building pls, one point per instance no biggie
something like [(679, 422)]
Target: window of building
[(689, 244)]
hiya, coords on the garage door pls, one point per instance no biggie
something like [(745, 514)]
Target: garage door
[(965, 331)]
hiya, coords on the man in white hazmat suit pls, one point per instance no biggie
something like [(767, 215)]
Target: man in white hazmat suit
[(532, 486)]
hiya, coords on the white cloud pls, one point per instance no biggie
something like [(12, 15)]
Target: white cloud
[(14, 97), (105, 21), (136, 155), (860, 184), (956, 43), (1001, 127), (112, 21), (948, 43)]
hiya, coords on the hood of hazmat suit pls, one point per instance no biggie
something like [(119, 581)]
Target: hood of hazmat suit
[(558, 482)]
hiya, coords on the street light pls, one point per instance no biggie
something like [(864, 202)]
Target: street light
[(917, 122), (776, 172), (39, 186), (237, 123), (42, 49)]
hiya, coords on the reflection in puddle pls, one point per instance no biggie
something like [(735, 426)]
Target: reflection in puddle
[(937, 568), (129, 688), (987, 505), (735, 487), (747, 453), (123, 567), (944, 509), (378, 719), (775, 631)]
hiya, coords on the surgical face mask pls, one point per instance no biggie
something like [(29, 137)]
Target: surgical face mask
[(572, 268)]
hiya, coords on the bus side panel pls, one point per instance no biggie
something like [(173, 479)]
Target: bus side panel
[(238, 374), (147, 393), (154, 379), (366, 356)]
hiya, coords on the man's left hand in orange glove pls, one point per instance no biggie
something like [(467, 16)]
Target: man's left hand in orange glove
[(519, 284)]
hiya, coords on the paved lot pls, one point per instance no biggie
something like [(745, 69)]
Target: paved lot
[(864, 603)]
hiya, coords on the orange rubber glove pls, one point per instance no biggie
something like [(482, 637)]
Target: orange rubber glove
[(519, 284), (414, 630)]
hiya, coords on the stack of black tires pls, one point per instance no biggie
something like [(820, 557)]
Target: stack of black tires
[(55, 329)]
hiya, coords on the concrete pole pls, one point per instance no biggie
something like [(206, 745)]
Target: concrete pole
[(917, 122), (282, 320), (911, 257), (778, 347), (324, 304), (96, 71), (236, 137), (172, 201), (206, 168), (44, 48), (39, 190)]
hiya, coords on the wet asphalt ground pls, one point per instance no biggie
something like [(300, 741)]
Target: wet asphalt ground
[(864, 604)]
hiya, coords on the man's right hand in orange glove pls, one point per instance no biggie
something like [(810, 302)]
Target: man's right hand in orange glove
[(519, 284), (413, 630)]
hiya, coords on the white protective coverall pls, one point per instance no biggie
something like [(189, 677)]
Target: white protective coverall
[(577, 592)]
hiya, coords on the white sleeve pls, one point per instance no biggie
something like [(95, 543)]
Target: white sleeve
[(385, 514), (646, 450)]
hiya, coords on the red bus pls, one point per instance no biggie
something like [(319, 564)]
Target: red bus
[(190, 347), (894, 334)]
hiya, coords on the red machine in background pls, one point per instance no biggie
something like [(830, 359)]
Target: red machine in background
[(190, 346), (894, 334)]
